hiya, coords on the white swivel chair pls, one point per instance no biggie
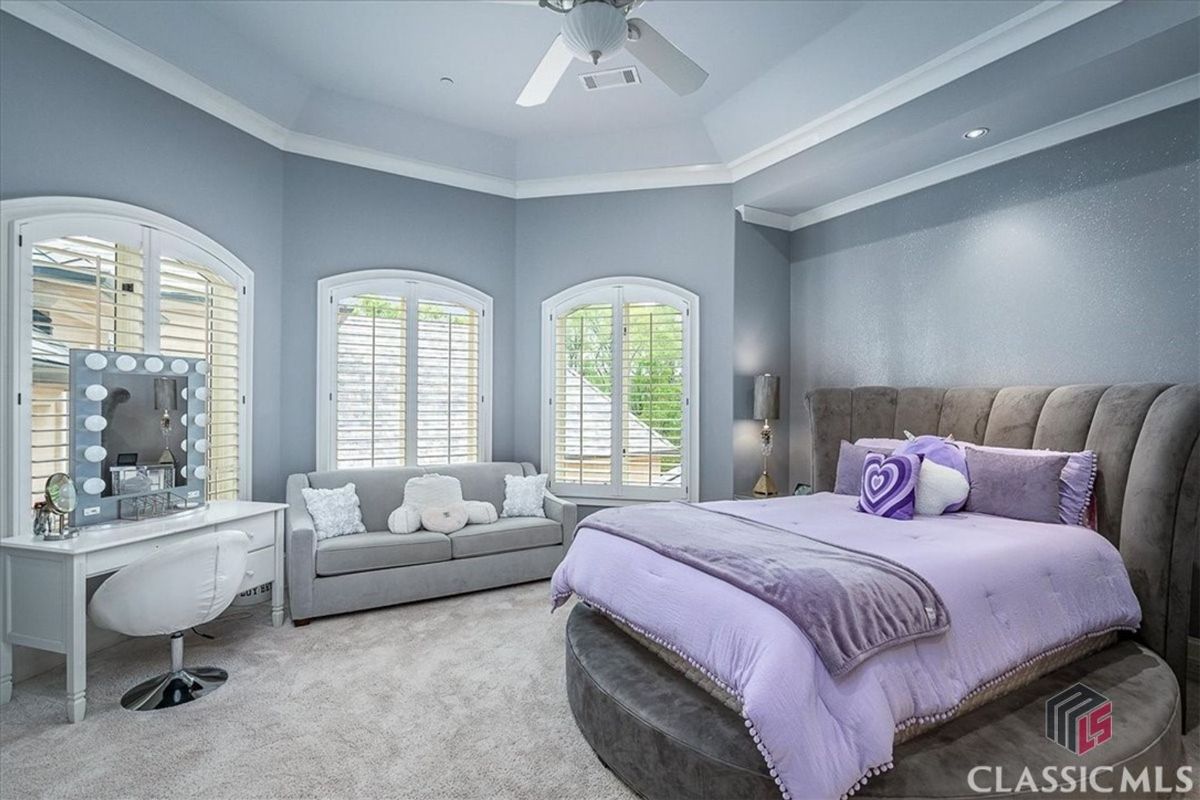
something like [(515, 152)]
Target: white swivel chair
[(173, 589)]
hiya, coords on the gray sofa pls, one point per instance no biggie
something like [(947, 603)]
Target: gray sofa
[(379, 568)]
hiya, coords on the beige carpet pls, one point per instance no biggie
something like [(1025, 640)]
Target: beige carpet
[(455, 698)]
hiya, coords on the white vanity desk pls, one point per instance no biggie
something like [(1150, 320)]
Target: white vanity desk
[(43, 596)]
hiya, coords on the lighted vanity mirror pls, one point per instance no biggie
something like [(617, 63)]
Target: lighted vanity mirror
[(136, 448)]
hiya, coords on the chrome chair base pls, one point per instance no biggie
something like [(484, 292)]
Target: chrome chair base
[(174, 688)]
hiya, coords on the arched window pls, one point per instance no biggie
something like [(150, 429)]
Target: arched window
[(404, 370), (104, 275), (620, 406)]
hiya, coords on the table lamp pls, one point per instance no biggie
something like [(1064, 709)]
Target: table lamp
[(766, 408)]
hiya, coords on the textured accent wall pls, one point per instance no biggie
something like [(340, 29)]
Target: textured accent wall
[(1080, 263)]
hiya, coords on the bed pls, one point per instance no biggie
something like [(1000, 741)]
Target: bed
[(827, 728)]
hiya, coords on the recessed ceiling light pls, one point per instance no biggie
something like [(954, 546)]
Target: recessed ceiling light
[(447, 80), (976, 133)]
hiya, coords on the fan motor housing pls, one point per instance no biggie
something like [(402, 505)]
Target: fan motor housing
[(594, 31)]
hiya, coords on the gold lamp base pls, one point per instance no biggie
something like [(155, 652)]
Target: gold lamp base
[(765, 486)]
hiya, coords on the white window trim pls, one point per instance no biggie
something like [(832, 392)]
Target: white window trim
[(396, 282), (601, 290), (15, 334)]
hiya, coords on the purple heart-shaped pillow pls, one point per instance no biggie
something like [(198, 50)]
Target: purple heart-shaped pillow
[(889, 485)]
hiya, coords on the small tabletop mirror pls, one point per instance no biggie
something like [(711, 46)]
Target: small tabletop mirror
[(60, 493)]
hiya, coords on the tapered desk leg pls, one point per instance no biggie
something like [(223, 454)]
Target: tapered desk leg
[(76, 603), (277, 587)]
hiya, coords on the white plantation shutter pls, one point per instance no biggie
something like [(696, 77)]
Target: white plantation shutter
[(111, 282), (583, 433), (87, 292), (371, 389), (402, 371), (653, 394), (620, 419), (447, 383), (198, 312)]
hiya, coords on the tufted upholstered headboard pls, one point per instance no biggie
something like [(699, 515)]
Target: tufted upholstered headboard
[(1147, 441)]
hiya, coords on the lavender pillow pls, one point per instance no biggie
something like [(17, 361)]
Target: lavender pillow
[(889, 485), (1017, 486), (850, 465), (1077, 484)]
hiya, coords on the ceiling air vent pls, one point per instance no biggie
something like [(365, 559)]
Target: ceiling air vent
[(610, 78)]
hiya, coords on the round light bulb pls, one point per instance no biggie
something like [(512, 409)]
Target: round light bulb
[(201, 393), (202, 367), (201, 445), (183, 471), (154, 364), (93, 486), (184, 393), (126, 363), (95, 453), (202, 419), (201, 472), (96, 392), (183, 420), (96, 361), (179, 366), (95, 423)]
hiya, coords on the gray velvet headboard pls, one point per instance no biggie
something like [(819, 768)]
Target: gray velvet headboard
[(1147, 440)]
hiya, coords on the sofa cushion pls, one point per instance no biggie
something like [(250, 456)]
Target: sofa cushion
[(380, 489), (504, 535), (482, 481), (362, 552)]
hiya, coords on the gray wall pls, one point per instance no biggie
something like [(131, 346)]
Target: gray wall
[(73, 125), (339, 219), (684, 236), (1073, 264), (761, 344)]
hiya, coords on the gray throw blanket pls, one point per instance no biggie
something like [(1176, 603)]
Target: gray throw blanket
[(848, 603)]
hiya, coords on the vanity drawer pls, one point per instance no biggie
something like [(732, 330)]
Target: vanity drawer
[(260, 529), (113, 558), (260, 569)]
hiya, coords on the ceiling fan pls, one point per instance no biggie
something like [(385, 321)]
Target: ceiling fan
[(596, 30)]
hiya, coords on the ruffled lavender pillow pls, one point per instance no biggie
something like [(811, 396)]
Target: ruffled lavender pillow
[(889, 485), (1076, 484)]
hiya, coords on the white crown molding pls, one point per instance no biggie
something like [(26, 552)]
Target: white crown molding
[(657, 178), (1043, 20), (1120, 112), (761, 216)]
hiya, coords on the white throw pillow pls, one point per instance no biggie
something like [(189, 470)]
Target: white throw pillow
[(335, 512), (445, 520), (404, 519), (432, 491), (523, 496), (939, 487), (480, 512)]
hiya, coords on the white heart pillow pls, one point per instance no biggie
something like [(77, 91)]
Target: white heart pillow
[(432, 491), (445, 520), (938, 488), (404, 519)]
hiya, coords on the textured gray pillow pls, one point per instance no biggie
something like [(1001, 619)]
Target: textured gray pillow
[(1017, 486), (850, 466)]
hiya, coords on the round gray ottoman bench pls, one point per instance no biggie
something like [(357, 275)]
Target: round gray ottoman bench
[(668, 739)]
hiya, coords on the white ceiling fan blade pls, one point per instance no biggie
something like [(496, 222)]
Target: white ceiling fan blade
[(664, 59), (547, 75)]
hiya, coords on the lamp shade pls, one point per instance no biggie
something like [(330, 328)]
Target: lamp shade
[(766, 396)]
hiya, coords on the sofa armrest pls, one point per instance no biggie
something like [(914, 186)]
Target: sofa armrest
[(564, 512), (300, 546)]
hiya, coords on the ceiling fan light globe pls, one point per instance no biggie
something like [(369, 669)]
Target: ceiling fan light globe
[(594, 31)]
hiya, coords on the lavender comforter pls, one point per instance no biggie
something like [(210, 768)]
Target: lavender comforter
[(1015, 590)]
